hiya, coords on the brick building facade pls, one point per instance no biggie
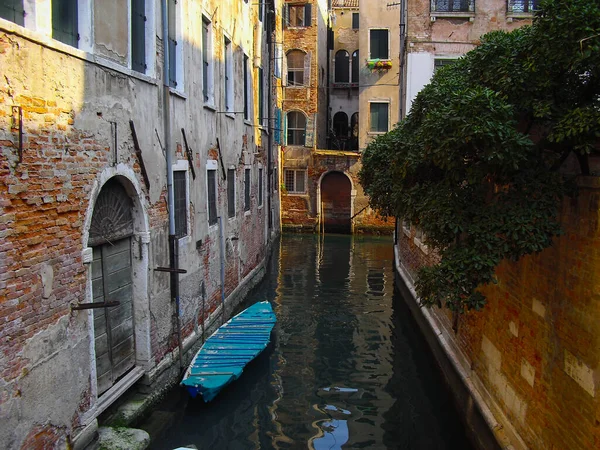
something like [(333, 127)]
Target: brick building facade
[(528, 362), (98, 144)]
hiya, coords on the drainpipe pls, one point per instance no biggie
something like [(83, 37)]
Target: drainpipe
[(402, 58), (268, 19), (173, 257)]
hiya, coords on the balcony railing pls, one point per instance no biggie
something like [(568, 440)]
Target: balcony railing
[(453, 6)]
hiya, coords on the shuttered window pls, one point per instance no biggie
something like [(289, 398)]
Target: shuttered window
[(247, 190), (355, 66), (13, 10), (228, 76), (65, 22), (230, 192), (260, 187), (180, 198), (211, 181), (138, 35), (172, 43), (379, 117), (379, 44), (297, 15), (246, 87), (355, 21)]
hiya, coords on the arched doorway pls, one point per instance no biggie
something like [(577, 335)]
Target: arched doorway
[(336, 203), (110, 233)]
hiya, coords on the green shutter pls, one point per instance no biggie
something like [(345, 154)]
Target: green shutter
[(65, 21), (172, 38), (138, 35), (13, 10)]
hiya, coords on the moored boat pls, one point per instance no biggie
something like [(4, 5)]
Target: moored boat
[(224, 355)]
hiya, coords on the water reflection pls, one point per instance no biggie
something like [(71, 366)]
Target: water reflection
[(347, 367)]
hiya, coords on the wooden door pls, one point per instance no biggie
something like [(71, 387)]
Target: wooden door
[(113, 326)]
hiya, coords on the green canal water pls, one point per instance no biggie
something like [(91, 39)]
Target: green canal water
[(347, 366)]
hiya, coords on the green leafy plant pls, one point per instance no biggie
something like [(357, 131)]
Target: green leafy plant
[(476, 163)]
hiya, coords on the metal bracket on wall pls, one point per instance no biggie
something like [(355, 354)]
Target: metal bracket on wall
[(170, 270), (138, 152), (81, 306), (188, 152), (17, 124)]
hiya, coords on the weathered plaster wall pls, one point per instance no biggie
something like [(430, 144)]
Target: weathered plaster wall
[(533, 353), (377, 85), (76, 136)]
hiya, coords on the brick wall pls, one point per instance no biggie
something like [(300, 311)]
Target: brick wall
[(535, 347)]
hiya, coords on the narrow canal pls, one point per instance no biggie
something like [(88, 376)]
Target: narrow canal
[(347, 366)]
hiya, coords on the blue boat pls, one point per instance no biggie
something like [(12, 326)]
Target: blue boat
[(224, 355)]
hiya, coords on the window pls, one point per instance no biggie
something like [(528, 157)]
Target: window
[(379, 44), (355, 21), (247, 190), (65, 21), (261, 94), (260, 186), (342, 67), (295, 181), (180, 199), (297, 15), (13, 10), (138, 35), (452, 5), (522, 6), (438, 63), (230, 192), (379, 117), (207, 66), (355, 67), (296, 128), (172, 12), (228, 76), (246, 87), (211, 185), (353, 132), (295, 68)]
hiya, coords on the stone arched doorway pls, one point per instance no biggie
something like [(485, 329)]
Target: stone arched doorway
[(110, 235), (336, 203)]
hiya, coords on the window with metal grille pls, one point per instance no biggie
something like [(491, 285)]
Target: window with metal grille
[(230, 192), (172, 43), (13, 10), (295, 68), (260, 187), (379, 117), (296, 128), (228, 76), (65, 21), (522, 6), (180, 198), (246, 87), (355, 21), (295, 181), (379, 44), (342, 67), (211, 182), (453, 5), (247, 190), (297, 15), (439, 63)]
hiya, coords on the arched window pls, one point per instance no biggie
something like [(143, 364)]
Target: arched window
[(340, 129), (342, 67), (353, 132), (296, 128), (355, 65), (295, 68)]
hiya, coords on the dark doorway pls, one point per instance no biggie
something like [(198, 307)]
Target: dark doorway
[(336, 203)]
